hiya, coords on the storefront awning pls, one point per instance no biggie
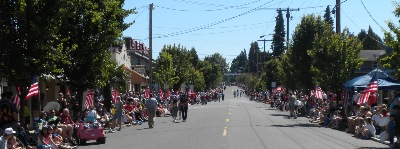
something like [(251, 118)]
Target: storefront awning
[(136, 78)]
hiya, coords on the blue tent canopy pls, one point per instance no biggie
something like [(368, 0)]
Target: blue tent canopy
[(384, 81)]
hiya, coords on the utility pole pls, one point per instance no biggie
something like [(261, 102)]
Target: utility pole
[(287, 23), (151, 48), (262, 68), (337, 16)]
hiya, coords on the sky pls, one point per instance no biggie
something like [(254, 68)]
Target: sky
[(228, 27)]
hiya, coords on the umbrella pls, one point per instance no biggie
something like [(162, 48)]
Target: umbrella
[(51, 105)]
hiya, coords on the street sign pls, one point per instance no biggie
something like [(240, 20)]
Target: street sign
[(273, 84)]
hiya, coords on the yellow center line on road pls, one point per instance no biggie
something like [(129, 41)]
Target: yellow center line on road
[(229, 109), (227, 120), (230, 113), (225, 132)]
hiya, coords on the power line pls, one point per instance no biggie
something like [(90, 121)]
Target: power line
[(316, 7), (212, 24), (140, 14), (271, 19), (371, 15), (360, 28), (241, 6)]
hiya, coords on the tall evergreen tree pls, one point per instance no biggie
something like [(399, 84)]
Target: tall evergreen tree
[(254, 49), (327, 17), (278, 39), (370, 40)]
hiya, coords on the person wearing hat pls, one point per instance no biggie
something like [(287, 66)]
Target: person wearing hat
[(8, 134)]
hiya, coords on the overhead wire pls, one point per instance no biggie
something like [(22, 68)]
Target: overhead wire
[(271, 20), (371, 15), (212, 24), (360, 27), (241, 6)]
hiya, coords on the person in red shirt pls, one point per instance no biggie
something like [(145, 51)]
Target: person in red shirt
[(372, 100), (66, 125), (130, 111)]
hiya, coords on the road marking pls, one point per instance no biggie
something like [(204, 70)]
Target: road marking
[(227, 119), (229, 109), (230, 113), (225, 132)]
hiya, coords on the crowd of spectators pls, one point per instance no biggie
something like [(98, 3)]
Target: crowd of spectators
[(365, 121)]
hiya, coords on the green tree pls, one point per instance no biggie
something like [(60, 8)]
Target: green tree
[(217, 58), (211, 73), (327, 17), (164, 71), (239, 63), (195, 57), (252, 60), (278, 39), (302, 40), (274, 67), (335, 58), (392, 40), (370, 40), (28, 31), (182, 61), (88, 28)]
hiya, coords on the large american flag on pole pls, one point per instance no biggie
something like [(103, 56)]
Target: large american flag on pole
[(33, 90), (318, 92), (89, 99), (372, 87)]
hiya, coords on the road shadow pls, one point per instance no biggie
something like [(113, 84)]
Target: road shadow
[(297, 125), (372, 148), (279, 115), (270, 109), (90, 143)]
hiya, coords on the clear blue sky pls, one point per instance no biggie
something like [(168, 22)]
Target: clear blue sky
[(200, 23)]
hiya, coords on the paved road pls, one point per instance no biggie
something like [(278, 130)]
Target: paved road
[(235, 123)]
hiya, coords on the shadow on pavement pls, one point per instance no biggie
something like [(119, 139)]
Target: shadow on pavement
[(279, 115), (90, 144), (296, 125), (372, 148)]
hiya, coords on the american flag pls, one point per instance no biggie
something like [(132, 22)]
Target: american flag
[(114, 95), (161, 94), (312, 93), (168, 94), (372, 87), (16, 99), (33, 90), (147, 93), (318, 92), (89, 99)]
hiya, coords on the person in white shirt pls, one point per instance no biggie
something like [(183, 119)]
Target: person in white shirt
[(369, 129), (375, 120), (8, 134)]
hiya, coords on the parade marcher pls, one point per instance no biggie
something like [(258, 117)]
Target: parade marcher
[(151, 105), (223, 96), (292, 100), (174, 109), (117, 115), (184, 108)]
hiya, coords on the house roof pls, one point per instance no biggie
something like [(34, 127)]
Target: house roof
[(371, 55)]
